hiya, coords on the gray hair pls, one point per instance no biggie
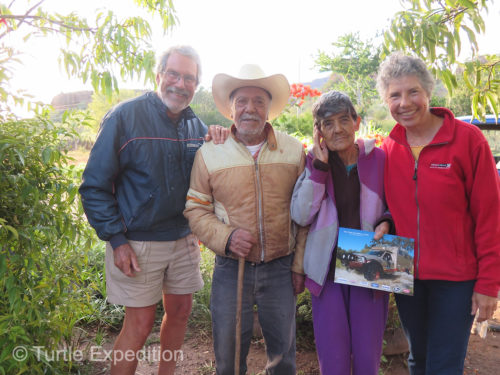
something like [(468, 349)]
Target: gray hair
[(398, 65), (331, 103), (187, 51)]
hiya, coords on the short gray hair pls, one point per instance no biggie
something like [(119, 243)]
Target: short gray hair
[(332, 103), (398, 65), (183, 50)]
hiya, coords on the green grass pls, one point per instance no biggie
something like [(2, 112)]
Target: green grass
[(200, 315)]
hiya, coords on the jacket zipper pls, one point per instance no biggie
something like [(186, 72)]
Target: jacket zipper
[(418, 216), (416, 201), (261, 226), (181, 148)]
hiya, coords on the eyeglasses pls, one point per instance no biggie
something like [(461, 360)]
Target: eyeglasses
[(173, 76)]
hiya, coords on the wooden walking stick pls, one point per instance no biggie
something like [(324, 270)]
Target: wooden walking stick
[(239, 297)]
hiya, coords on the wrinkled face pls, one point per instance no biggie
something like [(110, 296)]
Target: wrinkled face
[(177, 83), (339, 130), (249, 110), (408, 101)]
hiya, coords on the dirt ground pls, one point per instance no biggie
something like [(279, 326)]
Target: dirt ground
[(483, 356)]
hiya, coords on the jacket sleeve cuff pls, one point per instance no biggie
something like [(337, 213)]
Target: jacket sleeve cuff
[(318, 164), (298, 268), (220, 243), (486, 288), (118, 240), (228, 243), (319, 175), (298, 256)]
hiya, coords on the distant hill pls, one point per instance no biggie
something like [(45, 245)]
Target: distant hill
[(318, 83), (71, 100)]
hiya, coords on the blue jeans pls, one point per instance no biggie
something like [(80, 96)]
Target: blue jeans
[(437, 323), (267, 285)]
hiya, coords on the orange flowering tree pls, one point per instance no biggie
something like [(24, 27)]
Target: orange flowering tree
[(299, 92), (296, 119)]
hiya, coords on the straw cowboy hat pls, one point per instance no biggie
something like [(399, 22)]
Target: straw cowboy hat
[(250, 75)]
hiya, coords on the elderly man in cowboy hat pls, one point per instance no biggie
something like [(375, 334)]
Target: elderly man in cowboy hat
[(238, 205)]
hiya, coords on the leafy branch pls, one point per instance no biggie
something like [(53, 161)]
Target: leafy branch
[(26, 19), (102, 52), (432, 30)]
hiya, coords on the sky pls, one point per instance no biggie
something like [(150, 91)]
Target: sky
[(282, 36), (356, 240), (352, 239)]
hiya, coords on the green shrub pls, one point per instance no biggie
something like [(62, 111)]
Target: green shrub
[(305, 331), (44, 242), (102, 315), (299, 125)]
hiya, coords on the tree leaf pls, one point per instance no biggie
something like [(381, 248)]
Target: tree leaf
[(492, 103), (46, 155)]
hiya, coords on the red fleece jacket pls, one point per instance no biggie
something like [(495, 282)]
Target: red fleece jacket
[(449, 202)]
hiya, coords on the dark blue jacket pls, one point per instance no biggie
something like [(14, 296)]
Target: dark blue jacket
[(137, 176)]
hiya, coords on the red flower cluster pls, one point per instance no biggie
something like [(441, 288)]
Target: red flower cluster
[(300, 91)]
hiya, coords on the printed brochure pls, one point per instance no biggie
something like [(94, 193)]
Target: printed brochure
[(386, 264)]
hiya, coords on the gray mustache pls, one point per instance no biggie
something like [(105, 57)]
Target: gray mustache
[(250, 117), (177, 91)]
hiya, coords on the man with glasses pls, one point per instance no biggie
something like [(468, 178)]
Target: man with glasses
[(133, 192)]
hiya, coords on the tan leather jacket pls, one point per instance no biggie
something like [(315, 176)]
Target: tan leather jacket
[(230, 190)]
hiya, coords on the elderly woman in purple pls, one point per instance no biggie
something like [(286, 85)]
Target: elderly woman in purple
[(342, 185)]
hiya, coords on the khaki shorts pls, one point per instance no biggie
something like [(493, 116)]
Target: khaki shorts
[(169, 267)]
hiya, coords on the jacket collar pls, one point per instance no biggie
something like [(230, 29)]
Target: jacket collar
[(271, 137), (444, 135)]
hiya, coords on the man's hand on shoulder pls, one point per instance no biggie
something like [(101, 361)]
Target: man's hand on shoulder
[(126, 260), (241, 242), (218, 134)]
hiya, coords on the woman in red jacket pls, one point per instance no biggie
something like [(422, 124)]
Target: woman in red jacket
[(443, 190)]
